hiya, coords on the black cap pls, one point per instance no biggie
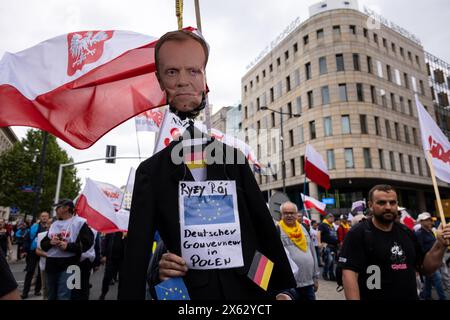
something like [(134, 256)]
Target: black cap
[(65, 202)]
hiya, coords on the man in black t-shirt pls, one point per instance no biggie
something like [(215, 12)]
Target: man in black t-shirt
[(380, 258)]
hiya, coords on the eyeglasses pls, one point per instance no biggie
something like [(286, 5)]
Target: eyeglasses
[(289, 213)]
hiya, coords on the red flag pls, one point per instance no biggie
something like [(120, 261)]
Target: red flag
[(80, 85), (95, 206), (310, 203), (315, 168)]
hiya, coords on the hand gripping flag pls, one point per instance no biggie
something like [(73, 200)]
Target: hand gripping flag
[(80, 85)]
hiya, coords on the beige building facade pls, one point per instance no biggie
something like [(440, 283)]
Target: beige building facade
[(354, 86)]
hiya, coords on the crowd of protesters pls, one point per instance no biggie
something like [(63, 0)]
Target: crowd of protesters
[(334, 249)]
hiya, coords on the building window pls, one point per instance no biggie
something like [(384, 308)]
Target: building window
[(367, 158), (305, 40), (264, 73), (343, 92), (337, 30), (352, 29), (356, 62), (388, 129), (320, 34), (402, 52), (348, 155), (328, 126), (394, 50), (273, 119), (402, 164), (308, 70), (310, 99), (360, 92), (402, 104), (271, 67), (381, 157), (295, 47), (363, 121), (373, 94), (297, 77), (345, 122), (325, 95), (330, 160), (389, 72), (383, 98), (397, 131), (385, 43), (369, 65), (301, 137), (279, 90), (405, 76), (289, 107), (411, 165), (278, 62), (375, 38), (245, 112), (271, 95), (392, 160), (288, 83), (323, 65), (340, 62), (291, 138), (414, 130), (410, 107), (298, 105), (365, 33), (422, 88), (245, 88), (312, 129), (377, 126), (418, 61), (410, 56), (394, 104), (286, 55), (419, 167), (258, 104), (407, 134), (302, 164), (293, 167)]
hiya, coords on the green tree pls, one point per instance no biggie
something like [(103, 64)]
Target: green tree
[(19, 167)]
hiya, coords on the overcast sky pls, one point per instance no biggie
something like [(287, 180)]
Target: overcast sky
[(236, 31)]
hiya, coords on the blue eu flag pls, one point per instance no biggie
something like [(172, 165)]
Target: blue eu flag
[(212, 209), (172, 289)]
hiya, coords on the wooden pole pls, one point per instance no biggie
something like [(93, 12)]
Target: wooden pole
[(179, 13), (436, 189), (197, 16)]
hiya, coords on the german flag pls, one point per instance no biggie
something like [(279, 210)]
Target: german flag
[(260, 270)]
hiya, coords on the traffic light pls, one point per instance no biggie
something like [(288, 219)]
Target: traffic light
[(111, 152)]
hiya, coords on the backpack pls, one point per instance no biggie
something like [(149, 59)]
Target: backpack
[(369, 242)]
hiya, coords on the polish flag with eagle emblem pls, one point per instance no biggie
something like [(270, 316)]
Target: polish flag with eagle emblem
[(80, 85)]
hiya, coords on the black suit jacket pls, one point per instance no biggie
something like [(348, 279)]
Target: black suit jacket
[(155, 207)]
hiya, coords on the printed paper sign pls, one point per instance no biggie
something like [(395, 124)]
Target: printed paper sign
[(209, 221)]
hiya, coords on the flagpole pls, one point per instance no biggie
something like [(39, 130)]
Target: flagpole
[(199, 28), (304, 192), (436, 188), (137, 141)]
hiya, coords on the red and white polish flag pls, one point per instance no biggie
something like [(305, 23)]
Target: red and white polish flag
[(435, 142), (149, 120), (98, 209), (315, 167), (80, 85), (311, 203)]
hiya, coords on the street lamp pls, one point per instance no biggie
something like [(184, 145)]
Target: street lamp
[(283, 164)]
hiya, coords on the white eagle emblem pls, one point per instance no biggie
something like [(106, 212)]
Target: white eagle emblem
[(79, 46)]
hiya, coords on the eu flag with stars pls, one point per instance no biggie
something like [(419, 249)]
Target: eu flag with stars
[(172, 289), (213, 209)]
